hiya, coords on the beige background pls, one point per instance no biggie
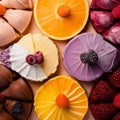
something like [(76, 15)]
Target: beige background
[(61, 71)]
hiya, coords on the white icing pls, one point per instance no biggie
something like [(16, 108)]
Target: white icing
[(18, 56)]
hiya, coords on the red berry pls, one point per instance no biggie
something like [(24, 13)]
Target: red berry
[(102, 91), (116, 11), (116, 101), (2, 99), (114, 78), (103, 111), (39, 57), (31, 59), (117, 116)]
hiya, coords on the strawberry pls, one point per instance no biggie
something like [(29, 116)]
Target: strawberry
[(114, 78), (116, 101), (117, 116), (101, 20), (102, 91), (102, 111), (116, 11)]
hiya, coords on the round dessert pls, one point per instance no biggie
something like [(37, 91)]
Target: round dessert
[(16, 96), (105, 97), (61, 19), (15, 16), (88, 56), (105, 17), (61, 98), (35, 60)]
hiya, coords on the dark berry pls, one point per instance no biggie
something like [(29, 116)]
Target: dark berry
[(92, 56), (39, 57), (2, 99), (84, 57), (31, 59), (17, 108)]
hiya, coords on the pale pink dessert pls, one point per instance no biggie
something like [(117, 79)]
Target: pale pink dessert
[(88, 56)]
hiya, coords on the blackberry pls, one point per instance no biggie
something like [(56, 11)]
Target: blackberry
[(84, 57), (92, 56), (17, 108)]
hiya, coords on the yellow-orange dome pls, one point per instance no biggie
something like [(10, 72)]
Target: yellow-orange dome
[(61, 20), (72, 106)]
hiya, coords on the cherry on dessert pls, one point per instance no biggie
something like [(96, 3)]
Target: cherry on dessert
[(62, 100), (2, 99), (31, 59), (2, 10), (39, 57), (63, 11)]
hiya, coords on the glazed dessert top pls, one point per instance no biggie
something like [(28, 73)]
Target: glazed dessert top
[(35, 60), (62, 19), (88, 55), (61, 98)]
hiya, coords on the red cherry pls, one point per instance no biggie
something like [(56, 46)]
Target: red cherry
[(31, 59), (39, 57)]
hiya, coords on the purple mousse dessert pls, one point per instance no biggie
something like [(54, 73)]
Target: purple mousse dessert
[(87, 56)]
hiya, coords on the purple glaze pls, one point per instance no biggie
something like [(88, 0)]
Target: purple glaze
[(5, 56), (84, 43)]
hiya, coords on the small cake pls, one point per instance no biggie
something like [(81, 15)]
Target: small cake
[(105, 17), (15, 16), (61, 98), (104, 97), (88, 56), (61, 20), (34, 57), (16, 97)]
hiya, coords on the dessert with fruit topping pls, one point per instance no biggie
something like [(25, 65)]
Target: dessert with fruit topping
[(15, 16), (62, 19), (61, 98), (87, 56), (36, 60)]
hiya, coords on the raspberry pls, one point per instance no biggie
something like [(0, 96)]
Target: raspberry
[(31, 59), (39, 57), (117, 116), (116, 101), (116, 11)]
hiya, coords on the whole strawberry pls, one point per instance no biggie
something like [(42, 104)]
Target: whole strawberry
[(117, 116), (103, 111), (114, 78), (102, 91)]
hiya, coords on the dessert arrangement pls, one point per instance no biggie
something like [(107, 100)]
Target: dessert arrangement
[(16, 96), (34, 59), (15, 16), (105, 17)]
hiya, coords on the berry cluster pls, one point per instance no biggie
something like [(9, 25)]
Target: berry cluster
[(17, 108), (90, 57), (36, 58), (104, 97)]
